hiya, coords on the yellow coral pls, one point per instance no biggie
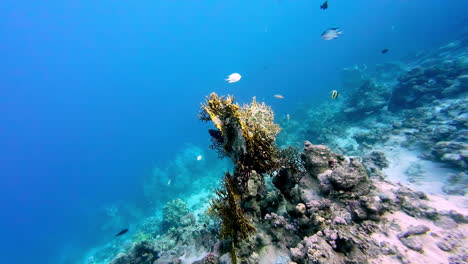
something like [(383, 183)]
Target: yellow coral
[(234, 223), (249, 132), (259, 117), (219, 108)]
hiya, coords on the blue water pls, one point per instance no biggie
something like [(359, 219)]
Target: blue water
[(94, 94)]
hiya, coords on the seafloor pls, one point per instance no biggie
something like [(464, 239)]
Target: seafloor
[(380, 177)]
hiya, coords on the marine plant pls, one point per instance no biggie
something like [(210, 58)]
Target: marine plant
[(235, 224), (245, 133)]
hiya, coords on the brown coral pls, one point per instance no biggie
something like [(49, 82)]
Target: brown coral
[(247, 133), (234, 223)]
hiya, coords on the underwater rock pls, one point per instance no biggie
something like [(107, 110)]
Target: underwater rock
[(315, 250), (415, 172), (457, 184), (414, 230), (452, 152), (318, 158), (348, 176), (424, 84), (176, 214), (370, 138), (367, 100), (140, 253), (412, 243), (450, 240), (375, 162)]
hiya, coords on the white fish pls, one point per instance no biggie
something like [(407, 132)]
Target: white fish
[(235, 77), (199, 157), (169, 182), (331, 33)]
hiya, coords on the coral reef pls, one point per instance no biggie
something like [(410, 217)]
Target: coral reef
[(140, 253), (176, 214), (368, 99), (422, 85), (324, 204)]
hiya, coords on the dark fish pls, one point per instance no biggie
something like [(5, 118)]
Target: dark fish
[(324, 5), (122, 232), (384, 51)]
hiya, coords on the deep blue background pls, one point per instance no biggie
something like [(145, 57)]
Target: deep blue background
[(94, 93)]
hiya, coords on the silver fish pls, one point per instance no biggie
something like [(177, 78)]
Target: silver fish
[(331, 33)]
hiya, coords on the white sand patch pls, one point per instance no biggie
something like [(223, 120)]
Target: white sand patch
[(348, 140), (449, 202), (192, 256), (433, 174), (431, 253), (269, 255)]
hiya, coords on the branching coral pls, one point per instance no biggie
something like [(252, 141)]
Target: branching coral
[(247, 134), (226, 206), (290, 158)]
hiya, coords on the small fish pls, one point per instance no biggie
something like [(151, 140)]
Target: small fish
[(279, 96), (324, 5), (235, 77), (169, 182), (334, 94), (384, 51), (331, 33), (122, 232), (199, 157), (288, 117)]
